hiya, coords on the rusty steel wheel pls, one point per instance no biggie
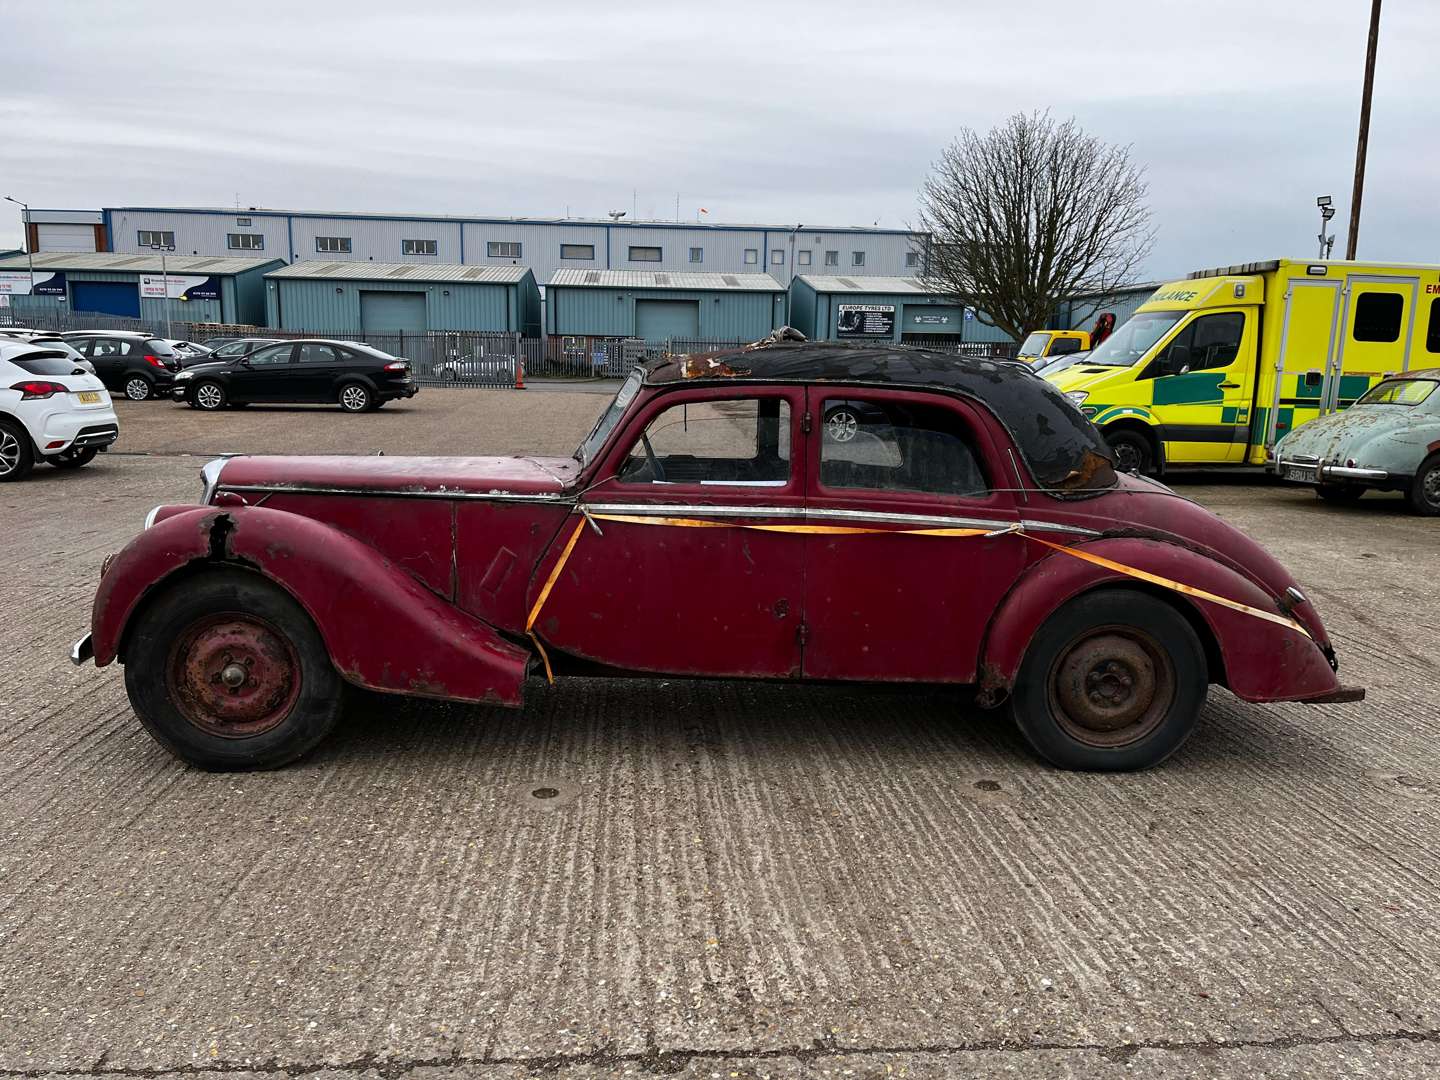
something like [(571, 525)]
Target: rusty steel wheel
[(227, 671), (1113, 680), (233, 675)]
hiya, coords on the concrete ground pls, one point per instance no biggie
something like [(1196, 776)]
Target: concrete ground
[(732, 880)]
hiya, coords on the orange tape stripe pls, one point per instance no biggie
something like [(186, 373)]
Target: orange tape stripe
[(554, 576), (818, 530), (1178, 586)]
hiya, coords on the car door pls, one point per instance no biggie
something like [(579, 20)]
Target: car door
[(673, 577), (892, 604), (264, 375), (1203, 388), (317, 368)]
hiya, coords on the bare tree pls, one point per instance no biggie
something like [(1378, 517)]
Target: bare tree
[(1029, 214)]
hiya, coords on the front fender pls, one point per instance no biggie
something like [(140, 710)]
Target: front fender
[(384, 630), (1260, 660)]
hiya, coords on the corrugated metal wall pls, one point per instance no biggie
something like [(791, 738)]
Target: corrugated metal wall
[(724, 315), (225, 310), (317, 306), (1080, 313)]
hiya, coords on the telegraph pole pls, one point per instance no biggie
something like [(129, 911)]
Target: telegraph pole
[(1364, 138)]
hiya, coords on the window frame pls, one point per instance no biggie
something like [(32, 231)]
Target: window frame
[(348, 241), (777, 256), (406, 243), (578, 258), (804, 257), (631, 249), (977, 423), (244, 241), (912, 260), (857, 258), (1432, 328), (141, 234), (637, 419), (832, 257), (1372, 295), (244, 223), (492, 253), (697, 255), (752, 257)]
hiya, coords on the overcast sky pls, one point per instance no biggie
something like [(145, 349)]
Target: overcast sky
[(822, 114)]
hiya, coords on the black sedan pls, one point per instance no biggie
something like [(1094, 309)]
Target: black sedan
[(356, 377)]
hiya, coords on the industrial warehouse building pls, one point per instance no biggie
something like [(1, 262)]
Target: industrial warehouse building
[(546, 245), (201, 289), (384, 298), (659, 306), (903, 309)]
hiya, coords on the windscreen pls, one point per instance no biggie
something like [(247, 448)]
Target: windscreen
[(610, 417), (1034, 345), (1399, 392), (1133, 340)]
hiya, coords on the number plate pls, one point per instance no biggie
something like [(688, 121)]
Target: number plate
[(1303, 473), (88, 397)]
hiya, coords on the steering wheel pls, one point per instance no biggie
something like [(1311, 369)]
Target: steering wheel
[(657, 471)]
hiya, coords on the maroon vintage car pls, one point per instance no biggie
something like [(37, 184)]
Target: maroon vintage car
[(970, 531)]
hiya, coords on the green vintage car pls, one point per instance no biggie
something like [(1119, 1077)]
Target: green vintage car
[(1389, 440)]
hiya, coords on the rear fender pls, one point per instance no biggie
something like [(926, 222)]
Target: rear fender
[(384, 630), (1258, 660)]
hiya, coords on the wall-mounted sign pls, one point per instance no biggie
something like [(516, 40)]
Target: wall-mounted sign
[(47, 283), (932, 320), (866, 320), (179, 287)]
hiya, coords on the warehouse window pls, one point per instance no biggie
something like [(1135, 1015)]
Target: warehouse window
[(832, 258), (242, 222), (752, 256), (912, 258), (857, 258), (155, 238), (419, 247), (804, 256), (245, 241), (577, 251), (333, 245), (777, 257), (1377, 316), (645, 254), (697, 255), (502, 249)]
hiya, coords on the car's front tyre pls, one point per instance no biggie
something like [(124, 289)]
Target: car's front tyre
[(1113, 681), (17, 456), (227, 671), (1424, 494), (208, 395)]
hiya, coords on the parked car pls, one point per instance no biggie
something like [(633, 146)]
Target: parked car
[(357, 377), (51, 410), (233, 348), (187, 351), (976, 536), (51, 340), (491, 369), (1389, 440), (139, 365)]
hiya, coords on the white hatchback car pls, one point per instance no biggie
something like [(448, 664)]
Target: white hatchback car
[(50, 410)]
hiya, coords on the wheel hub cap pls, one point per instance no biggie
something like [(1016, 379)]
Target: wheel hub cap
[(234, 675), (9, 452), (1112, 687)]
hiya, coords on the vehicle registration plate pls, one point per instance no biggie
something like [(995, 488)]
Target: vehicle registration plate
[(1304, 473), (88, 397)]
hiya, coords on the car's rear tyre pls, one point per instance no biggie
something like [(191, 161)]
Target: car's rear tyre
[(208, 395), (17, 456), (1424, 492), (139, 388), (1114, 680), (1339, 493), (74, 459), (227, 671), (1133, 451), (356, 397)]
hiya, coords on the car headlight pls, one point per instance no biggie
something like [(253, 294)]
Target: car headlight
[(184, 375), (1077, 397)]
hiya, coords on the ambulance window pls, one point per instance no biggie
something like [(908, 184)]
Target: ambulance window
[(1065, 345), (1211, 341), (1432, 336), (1377, 316)]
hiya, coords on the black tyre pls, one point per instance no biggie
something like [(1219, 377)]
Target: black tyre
[(356, 397), (1424, 492), (17, 455), (139, 388), (1114, 680), (1133, 451), (1339, 493), (209, 395), (227, 671), (74, 459)]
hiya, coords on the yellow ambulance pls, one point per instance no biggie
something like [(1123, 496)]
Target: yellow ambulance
[(1213, 370), (1045, 343)]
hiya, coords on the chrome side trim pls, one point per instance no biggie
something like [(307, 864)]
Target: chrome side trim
[(210, 474), (82, 651), (398, 493), (150, 517), (1345, 472), (813, 514)]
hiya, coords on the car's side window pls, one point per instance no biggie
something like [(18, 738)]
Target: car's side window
[(880, 445), (108, 347), (275, 354), (745, 441), (1063, 346), (1211, 341), (317, 354)]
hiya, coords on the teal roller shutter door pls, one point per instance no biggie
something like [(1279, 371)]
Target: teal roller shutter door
[(657, 320), (391, 312)]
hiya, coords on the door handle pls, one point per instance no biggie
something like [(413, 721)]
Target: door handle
[(1229, 386)]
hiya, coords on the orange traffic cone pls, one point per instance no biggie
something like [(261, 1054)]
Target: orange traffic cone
[(519, 373)]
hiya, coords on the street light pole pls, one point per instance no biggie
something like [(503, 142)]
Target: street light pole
[(29, 255), (1362, 142), (164, 280)]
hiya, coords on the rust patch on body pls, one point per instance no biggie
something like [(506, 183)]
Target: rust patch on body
[(707, 367)]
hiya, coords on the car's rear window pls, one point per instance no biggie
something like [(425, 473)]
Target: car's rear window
[(49, 362), (156, 347)]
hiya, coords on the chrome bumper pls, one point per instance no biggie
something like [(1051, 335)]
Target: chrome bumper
[(1324, 472), (82, 651)]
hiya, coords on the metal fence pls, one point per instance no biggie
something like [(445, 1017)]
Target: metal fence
[(63, 321)]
